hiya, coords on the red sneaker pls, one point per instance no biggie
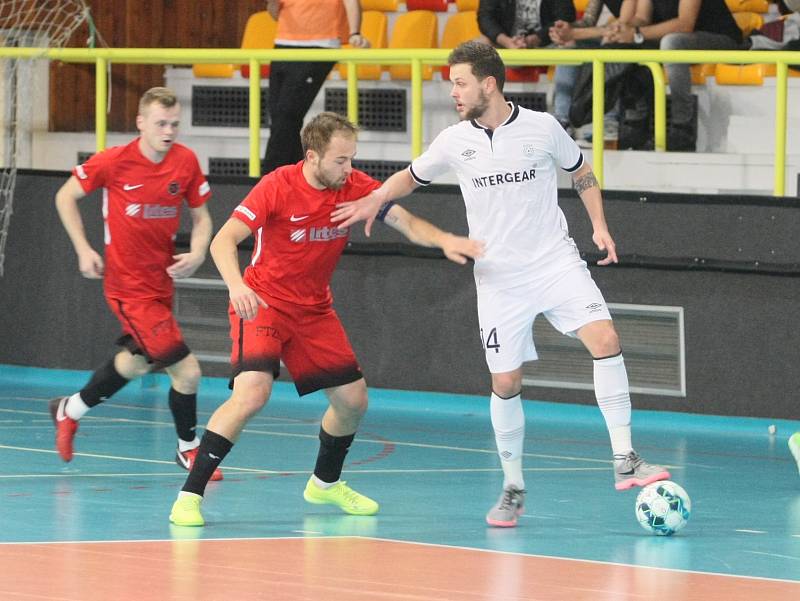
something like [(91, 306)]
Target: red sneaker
[(186, 461), (65, 427)]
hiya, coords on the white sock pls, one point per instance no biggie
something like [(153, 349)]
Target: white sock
[(321, 484), (75, 407), (508, 421), (183, 494), (184, 446), (614, 399)]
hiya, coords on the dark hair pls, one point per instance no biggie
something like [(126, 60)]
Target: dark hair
[(317, 133), (163, 96), (482, 58)]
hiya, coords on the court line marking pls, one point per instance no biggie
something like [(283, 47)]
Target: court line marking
[(398, 541), (774, 555)]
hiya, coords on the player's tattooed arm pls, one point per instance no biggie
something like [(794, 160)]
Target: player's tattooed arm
[(584, 182)]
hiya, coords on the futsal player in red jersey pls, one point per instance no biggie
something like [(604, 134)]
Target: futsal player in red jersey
[(282, 308), (144, 186)]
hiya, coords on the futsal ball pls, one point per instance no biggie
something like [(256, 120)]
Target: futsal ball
[(663, 508)]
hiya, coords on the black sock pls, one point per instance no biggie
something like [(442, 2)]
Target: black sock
[(103, 383), (332, 451), (213, 449), (184, 413)]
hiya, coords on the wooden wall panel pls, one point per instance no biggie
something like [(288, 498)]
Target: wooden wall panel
[(139, 24)]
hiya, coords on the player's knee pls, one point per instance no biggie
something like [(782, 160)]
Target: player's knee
[(185, 375), (506, 385), (251, 401), (606, 343), (131, 366)]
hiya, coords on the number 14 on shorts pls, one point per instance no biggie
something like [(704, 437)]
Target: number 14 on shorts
[(490, 341)]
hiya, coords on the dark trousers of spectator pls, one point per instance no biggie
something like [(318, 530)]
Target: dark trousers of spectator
[(292, 89)]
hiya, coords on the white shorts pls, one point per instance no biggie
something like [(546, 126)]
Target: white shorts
[(568, 300)]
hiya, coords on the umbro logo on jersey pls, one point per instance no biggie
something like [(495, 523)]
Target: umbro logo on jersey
[(468, 154), (133, 209), (594, 307), (293, 218), (128, 187)]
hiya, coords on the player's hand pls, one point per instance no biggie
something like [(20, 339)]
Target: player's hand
[(363, 209), (90, 264), (245, 302), (604, 241), (185, 265), (459, 248)]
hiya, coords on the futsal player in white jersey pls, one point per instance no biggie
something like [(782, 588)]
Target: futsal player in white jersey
[(506, 158)]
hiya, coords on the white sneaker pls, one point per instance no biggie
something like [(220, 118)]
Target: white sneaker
[(794, 447)]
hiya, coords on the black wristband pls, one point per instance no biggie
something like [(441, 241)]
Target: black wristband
[(355, 33)]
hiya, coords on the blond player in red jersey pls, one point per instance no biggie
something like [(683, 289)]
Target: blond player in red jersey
[(282, 308), (144, 186)]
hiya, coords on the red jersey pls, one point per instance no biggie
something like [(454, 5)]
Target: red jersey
[(297, 245), (141, 211)]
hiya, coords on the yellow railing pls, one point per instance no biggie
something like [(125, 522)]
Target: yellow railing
[(651, 58)]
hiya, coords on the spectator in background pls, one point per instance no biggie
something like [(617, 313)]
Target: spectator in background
[(294, 85), (518, 24), (583, 33), (679, 25)]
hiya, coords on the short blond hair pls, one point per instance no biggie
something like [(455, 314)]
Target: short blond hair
[(163, 96), (317, 133)]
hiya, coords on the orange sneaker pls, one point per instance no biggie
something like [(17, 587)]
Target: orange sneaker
[(66, 427), (186, 461)]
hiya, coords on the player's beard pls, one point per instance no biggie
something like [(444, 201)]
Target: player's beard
[(477, 111), (328, 181)]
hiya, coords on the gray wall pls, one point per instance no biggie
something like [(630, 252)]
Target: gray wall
[(411, 316)]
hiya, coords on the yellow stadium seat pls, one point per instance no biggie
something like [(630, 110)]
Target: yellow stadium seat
[(701, 72), (259, 33), (748, 21), (373, 27), (463, 5), (752, 6), (580, 5), (415, 29), (387, 6), (212, 70), (743, 75), (460, 27)]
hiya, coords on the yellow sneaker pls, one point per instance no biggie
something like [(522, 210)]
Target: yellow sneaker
[(794, 447), (186, 511), (342, 496)]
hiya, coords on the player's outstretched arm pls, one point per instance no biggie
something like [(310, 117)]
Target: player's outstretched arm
[(589, 190), (456, 248), (90, 263), (366, 208), (224, 251), (187, 263)]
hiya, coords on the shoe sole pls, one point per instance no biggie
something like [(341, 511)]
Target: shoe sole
[(194, 524), (631, 482), (316, 501)]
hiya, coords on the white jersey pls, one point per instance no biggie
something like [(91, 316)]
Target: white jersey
[(508, 180)]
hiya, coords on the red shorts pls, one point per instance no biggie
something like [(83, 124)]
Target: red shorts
[(149, 328), (310, 340)]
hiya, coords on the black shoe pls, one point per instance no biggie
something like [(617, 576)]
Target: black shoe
[(681, 138)]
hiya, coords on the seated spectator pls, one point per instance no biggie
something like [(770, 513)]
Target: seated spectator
[(781, 34), (679, 25), (583, 33), (522, 23)]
